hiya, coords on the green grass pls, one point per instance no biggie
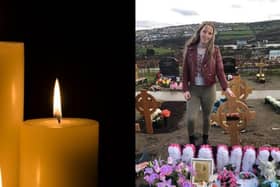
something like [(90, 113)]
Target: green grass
[(233, 37), (158, 51), (151, 80), (163, 51), (237, 32), (141, 51), (275, 71), (241, 27)]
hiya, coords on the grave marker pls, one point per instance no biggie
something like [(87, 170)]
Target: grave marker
[(146, 104), (240, 88), (233, 116), (169, 67)]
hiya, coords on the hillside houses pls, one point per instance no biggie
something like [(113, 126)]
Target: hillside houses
[(165, 33), (246, 40), (173, 32)]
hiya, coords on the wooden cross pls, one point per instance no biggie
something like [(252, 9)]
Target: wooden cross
[(233, 126), (146, 104), (261, 65), (260, 74), (136, 72), (239, 88)]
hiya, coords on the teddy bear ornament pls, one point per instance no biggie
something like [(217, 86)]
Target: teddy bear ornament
[(267, 169)]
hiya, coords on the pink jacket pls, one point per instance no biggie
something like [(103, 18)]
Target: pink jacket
[(209, 70)]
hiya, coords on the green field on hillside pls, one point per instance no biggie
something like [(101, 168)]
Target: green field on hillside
[(158, 51), (238, 32)]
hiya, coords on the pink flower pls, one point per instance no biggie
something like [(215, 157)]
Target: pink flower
[(227, 178), (179, 86), (173, 85), (175, 174)]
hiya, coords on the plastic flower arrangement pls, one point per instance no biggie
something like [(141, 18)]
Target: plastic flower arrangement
[(159, 118), (164, 82), (165, 113), (156, 114), (247, 179), (246, 175), (227, 178), (162, 173), (176, 85), (160, 114)]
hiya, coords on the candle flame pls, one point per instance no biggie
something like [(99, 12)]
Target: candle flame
[(57, 102)]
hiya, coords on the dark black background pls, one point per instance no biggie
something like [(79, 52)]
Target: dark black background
[(90, 49)]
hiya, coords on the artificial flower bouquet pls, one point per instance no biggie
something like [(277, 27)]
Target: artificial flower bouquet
[(158, 114), (227, 178), (168, 173), (159, 118), (246, 175), (163, 82), (174, 85)]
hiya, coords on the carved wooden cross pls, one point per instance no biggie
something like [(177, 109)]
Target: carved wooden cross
[(237, 122), (136, 72), (261, 65), (146, 104), (240, 88)]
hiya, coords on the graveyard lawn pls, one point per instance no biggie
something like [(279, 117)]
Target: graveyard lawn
[(264, 129)]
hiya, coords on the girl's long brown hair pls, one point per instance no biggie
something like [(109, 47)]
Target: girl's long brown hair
[(194, 40)]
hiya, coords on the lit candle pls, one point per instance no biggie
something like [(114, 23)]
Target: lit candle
[(58, 152), (11, 108), (0, 178)]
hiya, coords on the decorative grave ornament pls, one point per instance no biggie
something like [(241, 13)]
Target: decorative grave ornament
[(174, 151), (273, 102), (268, 169), (188, 153), (136, 72), (275, 154), (146, 104), (233, 116), (240, 88), (260, 76)]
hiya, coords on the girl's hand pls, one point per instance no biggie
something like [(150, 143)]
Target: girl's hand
[(229, 92), (187, 95)]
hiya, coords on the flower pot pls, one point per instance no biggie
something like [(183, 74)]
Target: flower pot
[(252, 182)]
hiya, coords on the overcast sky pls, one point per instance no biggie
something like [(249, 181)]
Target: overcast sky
[(161, 13)]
